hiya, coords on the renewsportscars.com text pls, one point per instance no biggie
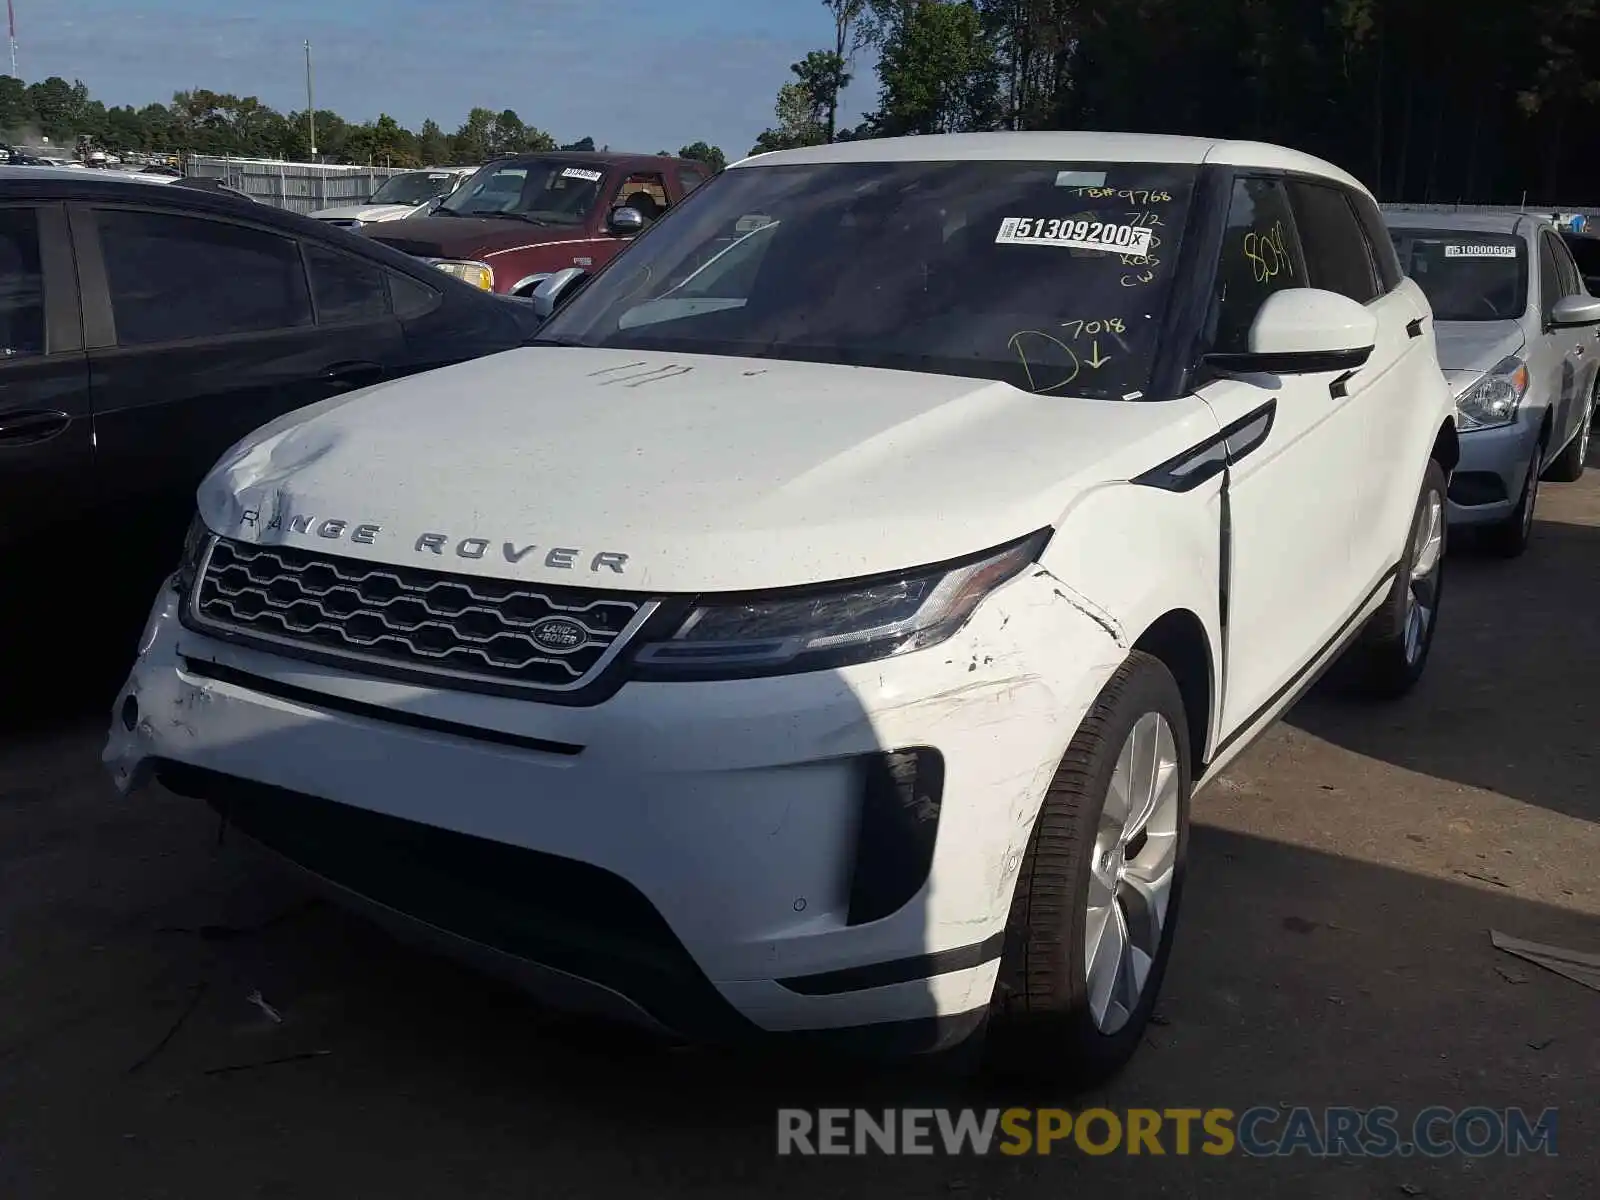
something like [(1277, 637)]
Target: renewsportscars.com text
[(1260, 1132)]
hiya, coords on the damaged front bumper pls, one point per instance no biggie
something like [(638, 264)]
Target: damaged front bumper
[(823, 851)]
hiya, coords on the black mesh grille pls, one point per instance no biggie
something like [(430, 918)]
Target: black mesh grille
[(541, 637)]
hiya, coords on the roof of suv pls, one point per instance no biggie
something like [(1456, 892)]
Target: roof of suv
[(1479, 222), (600, 158), (1064, 146)]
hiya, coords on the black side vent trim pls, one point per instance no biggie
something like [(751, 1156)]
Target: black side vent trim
[(1205, 460)]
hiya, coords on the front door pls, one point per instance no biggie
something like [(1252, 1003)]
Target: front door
[(46, 434), (201, 330), (1294, 498)]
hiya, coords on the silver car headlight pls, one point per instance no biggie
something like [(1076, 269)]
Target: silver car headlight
[(478, 274), (813, 629), (1493, 400)]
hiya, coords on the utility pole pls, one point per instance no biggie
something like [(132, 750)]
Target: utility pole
[(311, 105), (11, 25)]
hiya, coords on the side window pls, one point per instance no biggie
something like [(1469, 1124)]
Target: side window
[(178, 278), (345, 288), (1549, 274), (1337, 258), (1260, 256), (689, 180), (1384, 257), (411, 299), (21, 285), (1571, 279), (645, 192)]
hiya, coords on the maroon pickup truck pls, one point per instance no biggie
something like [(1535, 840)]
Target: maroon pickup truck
[(522, 218)]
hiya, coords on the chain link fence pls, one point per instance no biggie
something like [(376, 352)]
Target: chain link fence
[(298, 187)]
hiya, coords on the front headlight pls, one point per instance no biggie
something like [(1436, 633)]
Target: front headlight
[(478, 274), (1493, 399), (817, 628)]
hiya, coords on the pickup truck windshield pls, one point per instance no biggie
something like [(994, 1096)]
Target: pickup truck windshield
[(414, 187), (1053, 277), (1466, 276), (546, 191)]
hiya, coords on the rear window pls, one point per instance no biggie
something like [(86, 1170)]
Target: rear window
[(1466, 275)]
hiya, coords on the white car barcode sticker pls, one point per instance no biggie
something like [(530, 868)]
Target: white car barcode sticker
[(581, 173), (1480, 251), (1074, 235)]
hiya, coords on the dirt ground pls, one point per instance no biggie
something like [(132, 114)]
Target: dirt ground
[(1334, 950)]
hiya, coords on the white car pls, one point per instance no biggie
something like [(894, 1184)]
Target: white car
[(411, 194), (835, 645)]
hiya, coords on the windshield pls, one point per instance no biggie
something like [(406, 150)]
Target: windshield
[(414, 187), (1053, 277), (547, 190), (1466, 275)]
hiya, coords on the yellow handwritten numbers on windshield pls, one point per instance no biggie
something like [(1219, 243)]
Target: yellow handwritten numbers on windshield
[(1095, 328), (1265, 250), (1132, 195)]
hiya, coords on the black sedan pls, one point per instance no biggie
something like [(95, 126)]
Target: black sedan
[(146, 328)]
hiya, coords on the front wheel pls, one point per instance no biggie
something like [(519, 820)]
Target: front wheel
[(1096, 901), (1390, 656), (1567, 467)]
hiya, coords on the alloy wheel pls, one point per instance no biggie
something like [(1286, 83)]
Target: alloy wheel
[(1131, 874), (1427, 562)]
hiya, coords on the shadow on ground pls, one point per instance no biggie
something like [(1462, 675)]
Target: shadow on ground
[(1300, 977), (1509, 701)]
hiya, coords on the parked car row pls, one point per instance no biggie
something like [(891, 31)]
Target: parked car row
[(1519, 342)]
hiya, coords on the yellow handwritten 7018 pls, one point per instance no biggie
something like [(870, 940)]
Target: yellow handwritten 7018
[(1094, 328)]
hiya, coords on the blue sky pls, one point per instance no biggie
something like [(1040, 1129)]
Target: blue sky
[(634, 74)]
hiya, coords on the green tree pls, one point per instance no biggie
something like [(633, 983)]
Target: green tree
[(855, 26), (58, 107), (473, 142), (507, 133), (939, 71), (16, 110), (433, 148), (712, 156), (582, 144)]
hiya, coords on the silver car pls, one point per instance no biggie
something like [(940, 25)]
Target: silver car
[(1519, 341)]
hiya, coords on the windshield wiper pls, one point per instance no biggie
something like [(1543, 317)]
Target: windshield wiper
[(441, 211), (539, 340), (518, 216)]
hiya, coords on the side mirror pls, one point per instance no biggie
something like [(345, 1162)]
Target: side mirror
[(557, 290), (1575, 310), (1305, 331), (625, 222)]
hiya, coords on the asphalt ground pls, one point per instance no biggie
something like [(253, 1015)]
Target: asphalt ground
[(1334, 950)]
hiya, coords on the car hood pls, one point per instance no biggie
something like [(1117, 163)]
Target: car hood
[(1473, 347), (469, 237), (708, 473), (366, 212)]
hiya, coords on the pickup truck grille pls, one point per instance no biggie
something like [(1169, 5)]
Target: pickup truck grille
[(471, 629)]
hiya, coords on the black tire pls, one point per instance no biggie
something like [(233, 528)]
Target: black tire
[(1510, 538), (1567, 467), (1040, 1024), (1379, 666)]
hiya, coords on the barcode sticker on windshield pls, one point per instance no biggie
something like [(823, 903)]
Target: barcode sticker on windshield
[(581, 173), (1074, 235), (1480, 250)]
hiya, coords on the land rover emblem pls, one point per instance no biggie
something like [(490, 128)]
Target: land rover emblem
[(559, 635)]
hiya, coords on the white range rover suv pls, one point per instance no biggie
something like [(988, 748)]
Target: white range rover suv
[(824, 626)]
